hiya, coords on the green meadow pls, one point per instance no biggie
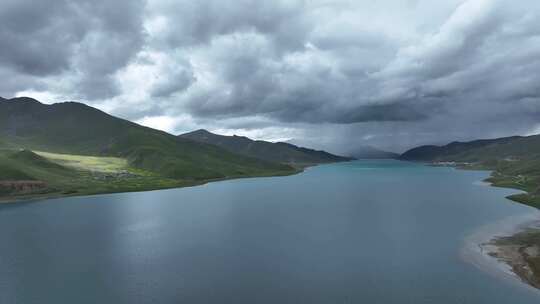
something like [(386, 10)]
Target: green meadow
[(75, 175), (87, 163)]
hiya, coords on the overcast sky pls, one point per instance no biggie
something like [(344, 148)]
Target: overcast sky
[(326, 74)]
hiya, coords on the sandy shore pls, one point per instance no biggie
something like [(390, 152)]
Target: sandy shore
[(503, 249)]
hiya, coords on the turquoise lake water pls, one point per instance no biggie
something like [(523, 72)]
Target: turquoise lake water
[(359, 232)]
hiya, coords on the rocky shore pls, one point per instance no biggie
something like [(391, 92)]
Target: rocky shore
[(508, 249), (521, 252)]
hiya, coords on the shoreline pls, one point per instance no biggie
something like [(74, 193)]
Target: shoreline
[(30, 198), (506, 260), (525, 195), (181, 184), (521, 252), (509, 248)]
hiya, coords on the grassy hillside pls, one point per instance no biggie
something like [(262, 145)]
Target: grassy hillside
[(71, 148), (478, 150), (24, 173), (274, 152), (74, 128), (26, 166), (514, 160), (87, 163)]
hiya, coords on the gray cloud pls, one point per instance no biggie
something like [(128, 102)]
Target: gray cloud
[(386, 73), (29, 35), (82, 42), (195, 22), (174, 79)]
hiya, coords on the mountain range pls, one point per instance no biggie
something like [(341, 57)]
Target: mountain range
[(72, 148), (67, 146), (75, 128), (515, 161), (518, 147)]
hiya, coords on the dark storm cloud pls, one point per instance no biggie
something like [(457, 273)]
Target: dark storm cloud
[(85, 42), (253, 79), (389, 112), (474, 71), (391, 73), (13, 82), (29, 34), (198, 22)]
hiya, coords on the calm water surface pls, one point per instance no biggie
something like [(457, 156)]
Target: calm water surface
[(360, 232)]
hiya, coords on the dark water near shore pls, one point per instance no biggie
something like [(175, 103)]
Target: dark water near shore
[(360, 232)]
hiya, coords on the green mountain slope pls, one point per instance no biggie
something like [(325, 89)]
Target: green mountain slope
[(478, 150), (27, 165), (275, 152), (74, 128), (514, 160), (25, 172)]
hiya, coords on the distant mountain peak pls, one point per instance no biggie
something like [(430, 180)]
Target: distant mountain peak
[(202, 131), (370, 152), (75, 104)]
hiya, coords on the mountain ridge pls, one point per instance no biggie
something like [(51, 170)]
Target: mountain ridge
[(369, 152), (432, 152), (76, 128), (514, 161), (276, 152)]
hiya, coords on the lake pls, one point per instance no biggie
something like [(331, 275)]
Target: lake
[(358, 232)]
